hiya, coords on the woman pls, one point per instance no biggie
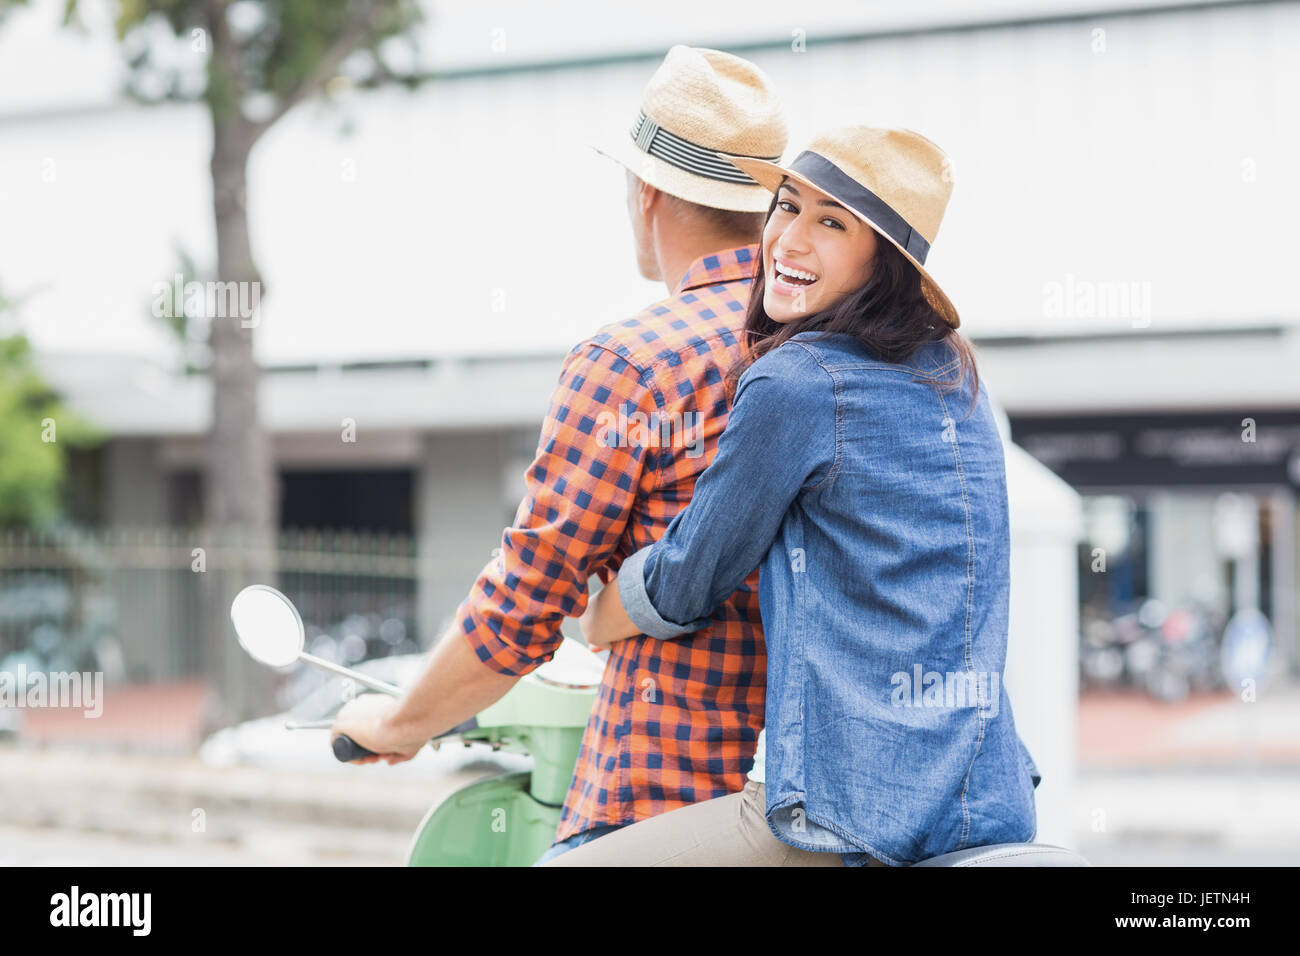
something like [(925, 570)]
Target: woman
[(862, 467)]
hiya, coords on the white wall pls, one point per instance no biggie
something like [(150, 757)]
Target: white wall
[(460, 512), (471, 217)]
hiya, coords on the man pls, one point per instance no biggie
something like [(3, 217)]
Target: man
[(632, 423)]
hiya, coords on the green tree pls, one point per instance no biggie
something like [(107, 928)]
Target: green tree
[(260, 58), (36, 430), (187, 324), (249, 62)]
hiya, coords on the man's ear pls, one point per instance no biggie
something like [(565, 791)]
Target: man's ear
[(634, 181), (643, 193)]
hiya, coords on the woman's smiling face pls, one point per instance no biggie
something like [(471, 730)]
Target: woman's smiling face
[(815, 252)]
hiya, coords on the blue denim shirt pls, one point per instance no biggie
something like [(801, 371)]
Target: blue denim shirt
[(878, 513)]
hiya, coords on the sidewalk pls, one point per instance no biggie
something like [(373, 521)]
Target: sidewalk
[(1211, 781), (1128, 730), (116, 808), (165, 717)]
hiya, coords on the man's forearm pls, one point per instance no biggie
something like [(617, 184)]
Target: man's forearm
[(605, 622), (453, 686)]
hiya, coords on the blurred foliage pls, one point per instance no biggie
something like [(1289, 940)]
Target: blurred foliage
[(188, 324), (256, 59), (35, 431), (250, 62)]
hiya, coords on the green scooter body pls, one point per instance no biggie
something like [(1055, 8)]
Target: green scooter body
[(510, 819), (494, 822)]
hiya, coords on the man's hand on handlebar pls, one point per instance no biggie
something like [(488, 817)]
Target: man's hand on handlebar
[(366, 719)]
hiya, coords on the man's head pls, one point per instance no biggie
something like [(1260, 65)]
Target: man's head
[(683, 199), (661, 222)]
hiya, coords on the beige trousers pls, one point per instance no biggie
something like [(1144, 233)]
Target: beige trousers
[(726, 831)]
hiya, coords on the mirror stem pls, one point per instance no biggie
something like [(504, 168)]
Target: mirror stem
[(347, 672)]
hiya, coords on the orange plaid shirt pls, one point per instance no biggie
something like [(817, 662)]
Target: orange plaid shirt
[(675, 722)]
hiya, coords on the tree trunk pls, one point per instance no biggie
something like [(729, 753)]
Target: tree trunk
[(242, 501), (243, 486)]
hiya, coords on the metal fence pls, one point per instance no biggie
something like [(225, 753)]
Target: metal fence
[(129, 601)]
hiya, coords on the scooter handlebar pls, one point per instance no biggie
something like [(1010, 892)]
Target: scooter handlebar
[(346, 749)]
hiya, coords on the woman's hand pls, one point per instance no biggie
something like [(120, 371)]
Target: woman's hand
[(605, 622), (366, 719)]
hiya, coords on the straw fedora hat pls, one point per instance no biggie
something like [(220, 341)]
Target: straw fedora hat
[(700, 103), (894, 180)]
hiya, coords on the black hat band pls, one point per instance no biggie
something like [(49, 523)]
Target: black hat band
[(652, 138), (829, 178)]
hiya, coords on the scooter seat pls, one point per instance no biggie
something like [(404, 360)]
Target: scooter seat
[(1009, 854)]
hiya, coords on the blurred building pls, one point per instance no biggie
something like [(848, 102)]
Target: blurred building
[(1117, 243)]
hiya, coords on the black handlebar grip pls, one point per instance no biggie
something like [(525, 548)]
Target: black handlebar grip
[(347, 749)]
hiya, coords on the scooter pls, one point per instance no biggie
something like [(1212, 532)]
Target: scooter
[(505, 820), (510, 819)]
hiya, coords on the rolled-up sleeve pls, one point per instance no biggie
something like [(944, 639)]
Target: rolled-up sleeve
[(638, 606), (780, 440), (581, 487)]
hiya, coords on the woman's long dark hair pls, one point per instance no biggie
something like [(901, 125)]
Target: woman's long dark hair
[(889, 314)]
